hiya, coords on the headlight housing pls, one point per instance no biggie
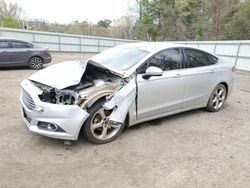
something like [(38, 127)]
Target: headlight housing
[(56, 96)]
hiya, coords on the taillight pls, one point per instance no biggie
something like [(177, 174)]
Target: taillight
[(47, 49), (233, 69)]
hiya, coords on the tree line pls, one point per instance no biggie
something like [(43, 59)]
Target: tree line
[(193, 19), (153, 20)]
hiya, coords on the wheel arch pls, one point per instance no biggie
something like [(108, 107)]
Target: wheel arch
[(226, 86), (103, 97), (99, 98), (94, 99)]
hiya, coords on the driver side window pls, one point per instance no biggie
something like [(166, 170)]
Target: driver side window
[(166, 60)]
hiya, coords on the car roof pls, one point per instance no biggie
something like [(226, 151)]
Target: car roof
[(151, 46), (158, 46), (14, 39)]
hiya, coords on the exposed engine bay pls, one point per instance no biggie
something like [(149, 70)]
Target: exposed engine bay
[(96, 82)]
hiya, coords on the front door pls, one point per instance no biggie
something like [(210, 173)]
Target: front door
[(163, 94)]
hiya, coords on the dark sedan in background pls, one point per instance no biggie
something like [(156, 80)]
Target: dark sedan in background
[(15, 53)]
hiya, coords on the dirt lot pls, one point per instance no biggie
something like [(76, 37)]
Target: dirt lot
[(192, 149)]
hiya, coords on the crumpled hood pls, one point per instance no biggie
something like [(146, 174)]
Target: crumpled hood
[(61, 75)]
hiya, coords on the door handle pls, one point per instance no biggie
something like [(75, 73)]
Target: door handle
[(178, 75), (211, 71)]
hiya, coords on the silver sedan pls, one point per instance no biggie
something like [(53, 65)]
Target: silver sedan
[(123, 86)]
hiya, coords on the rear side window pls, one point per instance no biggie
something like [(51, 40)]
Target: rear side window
[(16, 44), (4, 44), (196, 58), (212, 59)]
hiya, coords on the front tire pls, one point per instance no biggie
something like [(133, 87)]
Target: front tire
[(217, 98), (36, 63), (97, 128)]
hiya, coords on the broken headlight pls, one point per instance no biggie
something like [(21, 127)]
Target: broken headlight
[(56, 96), (65, 97)]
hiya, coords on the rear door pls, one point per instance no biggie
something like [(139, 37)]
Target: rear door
[(20, 52), (160, 95), (4, 55), (200, 72)]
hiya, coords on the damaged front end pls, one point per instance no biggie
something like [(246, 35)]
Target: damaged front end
[(79, 94), (94, 84)]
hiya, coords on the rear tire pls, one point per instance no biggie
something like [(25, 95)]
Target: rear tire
[(97, 128), (217, 98), (36, 63)]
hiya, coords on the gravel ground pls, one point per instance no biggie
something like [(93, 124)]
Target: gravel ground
[(191, 149)]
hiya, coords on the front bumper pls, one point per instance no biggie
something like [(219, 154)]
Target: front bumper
[(68, 117)]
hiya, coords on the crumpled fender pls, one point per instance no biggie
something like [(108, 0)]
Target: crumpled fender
[(121, 101)]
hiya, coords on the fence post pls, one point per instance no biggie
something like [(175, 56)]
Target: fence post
[(215, 45), (1, 32), (59, 43), (237, 55), (98, 41), (33, 38), (80, 43)]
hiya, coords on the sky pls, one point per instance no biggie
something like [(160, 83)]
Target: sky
[(66, 11)]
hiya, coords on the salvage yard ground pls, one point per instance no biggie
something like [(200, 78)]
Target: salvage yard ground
[(191, 149)]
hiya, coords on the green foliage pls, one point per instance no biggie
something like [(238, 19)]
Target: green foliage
[(155, 20), (149, 17), (199, 33), (104, 23), (191, 20), (158, 19), (10, 22), (237, 22), (192, 16)]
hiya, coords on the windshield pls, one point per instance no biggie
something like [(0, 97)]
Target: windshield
[(120, 57)]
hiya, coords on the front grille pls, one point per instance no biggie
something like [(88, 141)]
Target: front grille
[(27, 100)]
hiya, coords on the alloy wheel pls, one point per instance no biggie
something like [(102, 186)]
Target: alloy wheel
[(36, 63), (101, 127), (219, 97)]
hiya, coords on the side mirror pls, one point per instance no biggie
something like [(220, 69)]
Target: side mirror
[(152, 71)]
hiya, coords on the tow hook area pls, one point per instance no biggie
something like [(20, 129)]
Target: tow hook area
[(67, 142)]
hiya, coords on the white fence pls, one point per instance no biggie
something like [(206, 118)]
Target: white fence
[(236, 52), (63, 42)]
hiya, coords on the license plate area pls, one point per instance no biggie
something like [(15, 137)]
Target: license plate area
[(26, 116)]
